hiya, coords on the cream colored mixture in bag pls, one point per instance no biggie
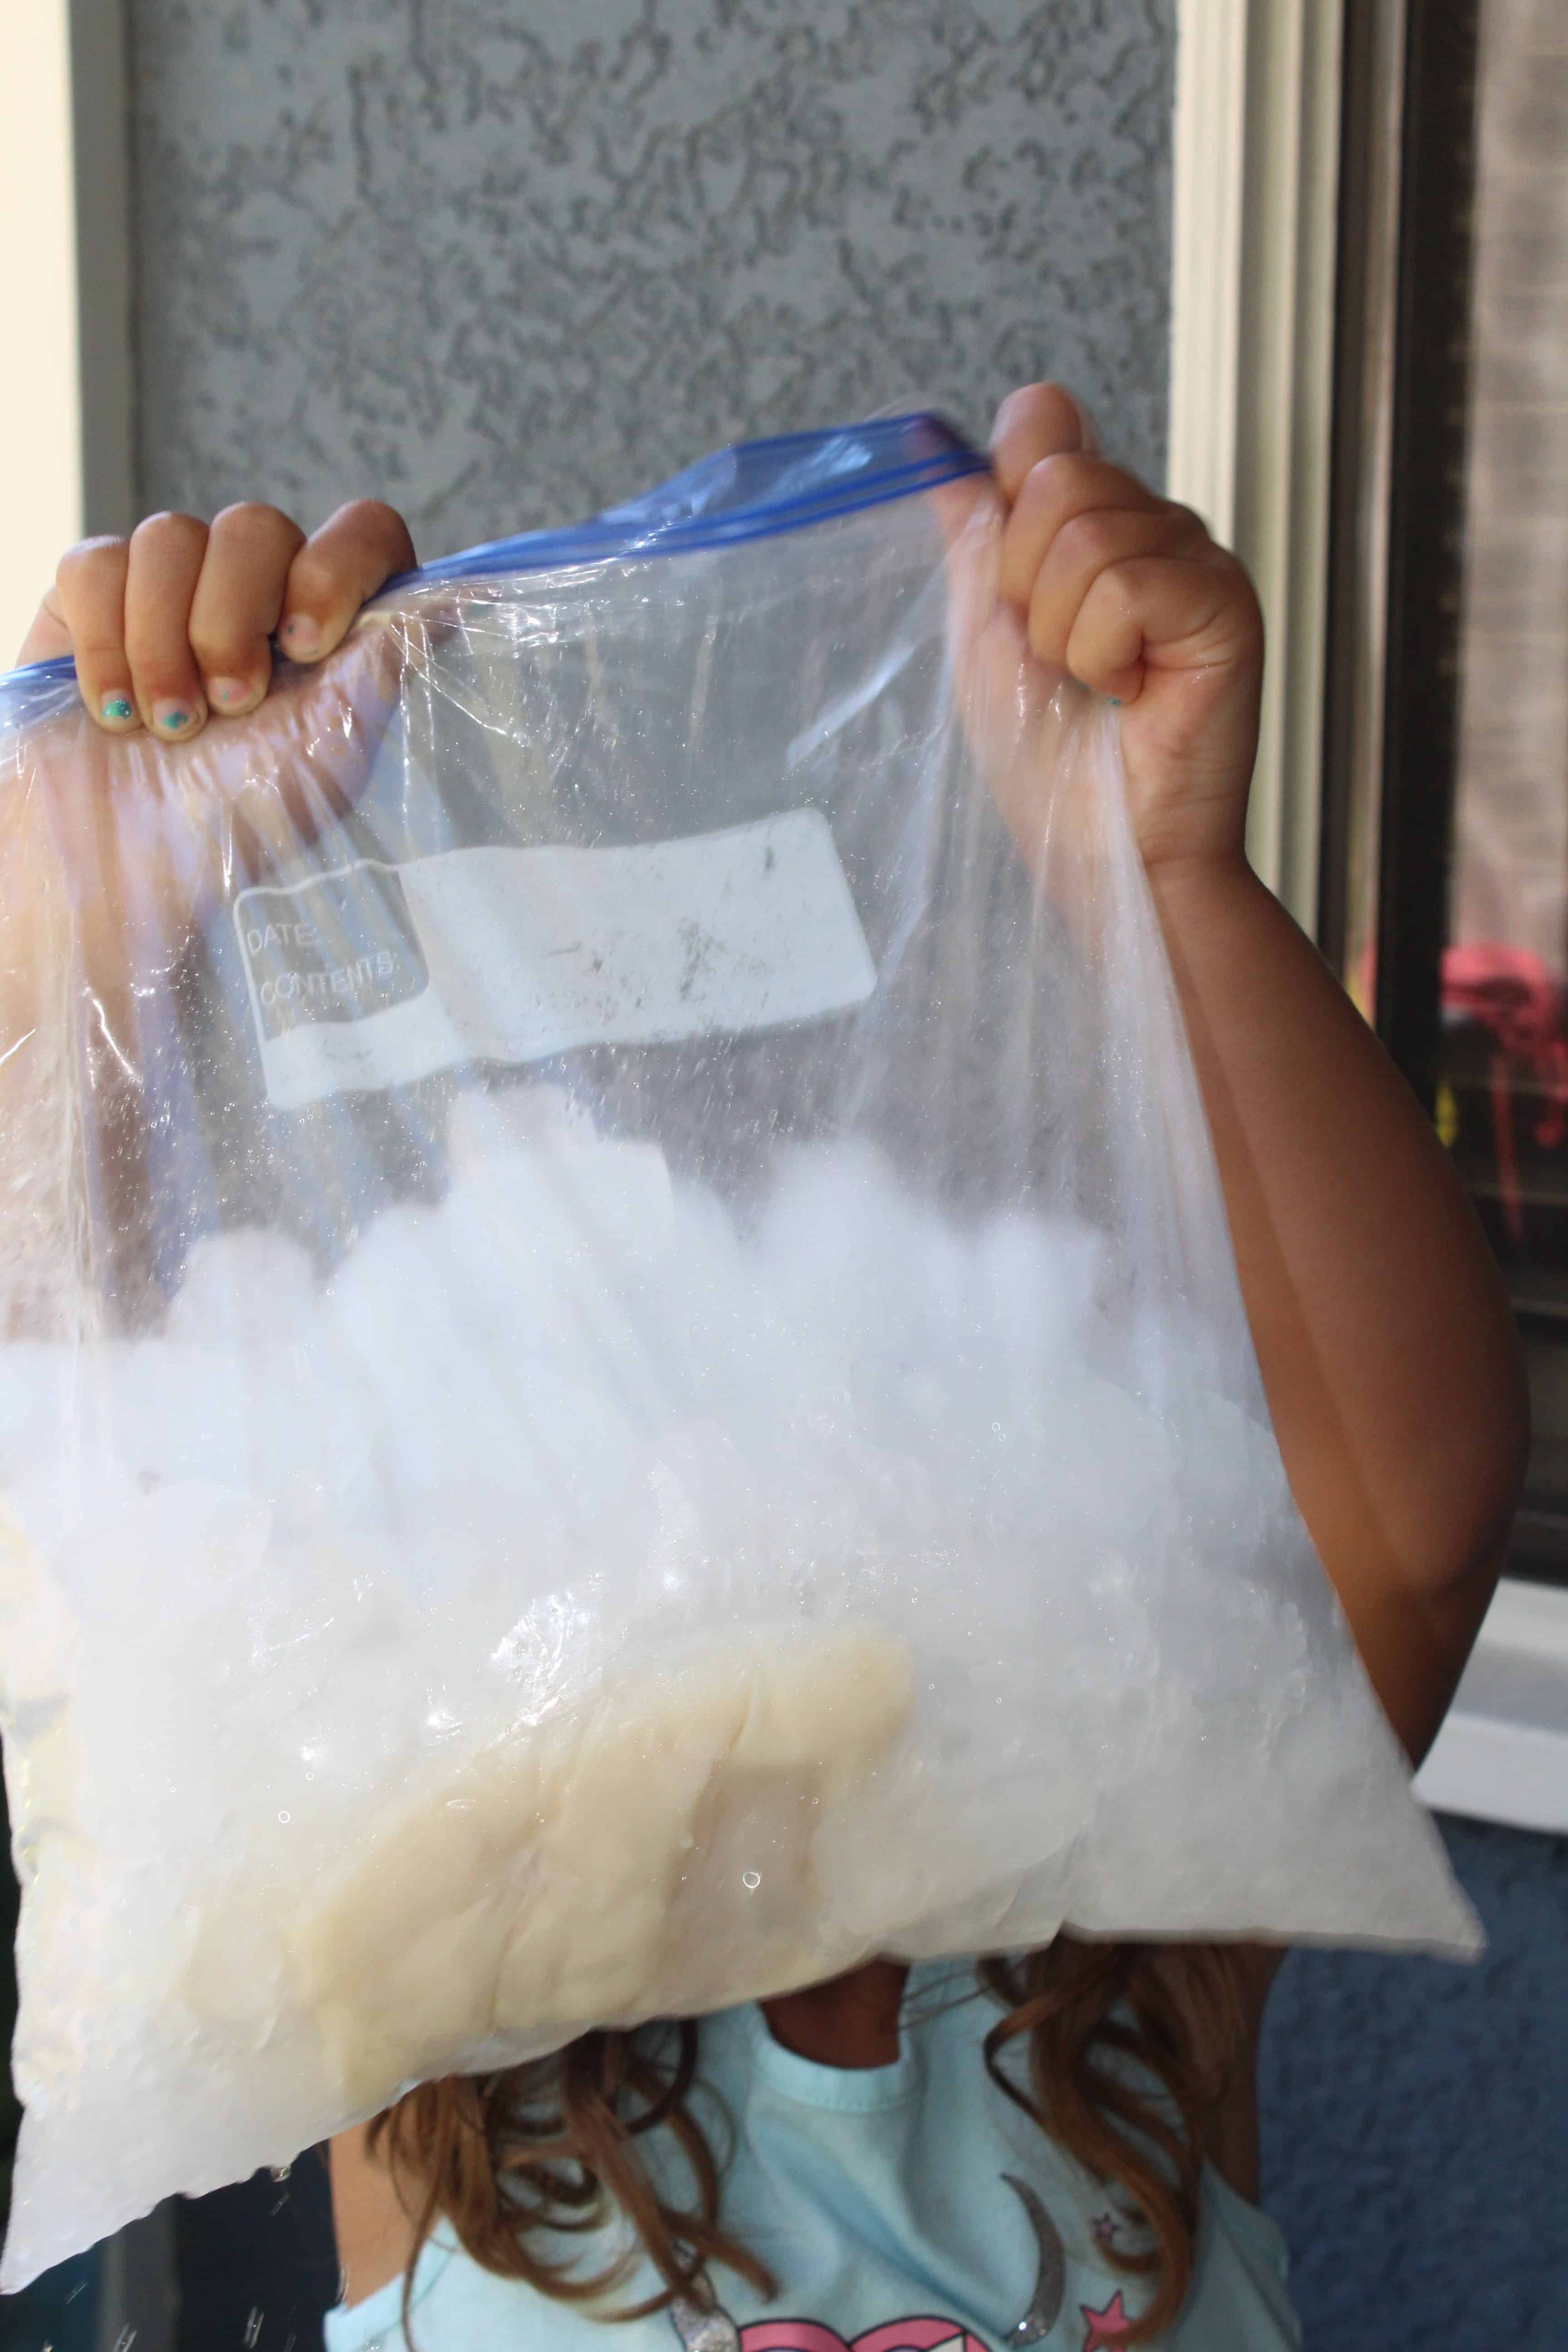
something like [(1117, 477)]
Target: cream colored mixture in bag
[(638, 1857)]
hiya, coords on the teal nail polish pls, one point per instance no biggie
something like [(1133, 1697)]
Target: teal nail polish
[(118, 706), (172, 718)]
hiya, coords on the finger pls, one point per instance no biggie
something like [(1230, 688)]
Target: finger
[(355, 553), (1092, 543), (90, 587), (47, 635), (1041, 420), (313, 746), (969, 515), (957, 503), (166, 554), (1051, 494), (1162, 612), (238, 601)]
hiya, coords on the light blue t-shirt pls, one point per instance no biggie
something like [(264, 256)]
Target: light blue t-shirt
[(901, 2209)]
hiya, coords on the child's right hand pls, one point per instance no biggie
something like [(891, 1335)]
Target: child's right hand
[(173, 626)]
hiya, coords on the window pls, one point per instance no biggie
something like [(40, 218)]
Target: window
[(1443, 883), (1500, 1066)]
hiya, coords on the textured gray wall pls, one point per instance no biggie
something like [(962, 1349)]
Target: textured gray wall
[(504, 260)]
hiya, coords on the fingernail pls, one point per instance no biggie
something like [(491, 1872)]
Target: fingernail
[(1087, 438), (173, 718), (117, 708), (230, 693), (299, 636)]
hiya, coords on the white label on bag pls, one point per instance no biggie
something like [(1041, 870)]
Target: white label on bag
[(374, 975)]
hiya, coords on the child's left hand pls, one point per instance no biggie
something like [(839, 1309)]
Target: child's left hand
[(1127, 593)]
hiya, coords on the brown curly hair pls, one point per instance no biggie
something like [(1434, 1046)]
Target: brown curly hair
[(554, 2145)]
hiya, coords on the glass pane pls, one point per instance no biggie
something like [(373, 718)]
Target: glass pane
[(1502, 1102)]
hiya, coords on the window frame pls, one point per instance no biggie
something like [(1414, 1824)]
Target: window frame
[(1256, 154)]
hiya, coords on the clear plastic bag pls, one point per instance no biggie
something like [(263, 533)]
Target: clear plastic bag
[(624, 1382)]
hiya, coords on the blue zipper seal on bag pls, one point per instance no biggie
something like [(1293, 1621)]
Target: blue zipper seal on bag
[(754, 489)]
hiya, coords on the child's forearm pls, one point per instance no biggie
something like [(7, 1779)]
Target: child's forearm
[(1382, 1330)]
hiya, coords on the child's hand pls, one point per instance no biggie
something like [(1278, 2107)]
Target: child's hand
[(167, 629), (172, 626), (1127, 593)]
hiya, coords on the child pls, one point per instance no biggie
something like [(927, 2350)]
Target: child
[(1064, 2150)]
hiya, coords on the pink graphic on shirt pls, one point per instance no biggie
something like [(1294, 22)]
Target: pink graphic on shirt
[(921, 2333), (704, 2325)]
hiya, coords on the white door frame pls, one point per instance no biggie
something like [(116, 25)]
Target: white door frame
[(1256, 152), (66, 393)]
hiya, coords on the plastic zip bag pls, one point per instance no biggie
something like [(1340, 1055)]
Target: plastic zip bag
[(624, 1382)]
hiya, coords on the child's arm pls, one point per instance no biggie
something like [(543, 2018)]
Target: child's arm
[(1385, 1338), (1382, 1329)]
